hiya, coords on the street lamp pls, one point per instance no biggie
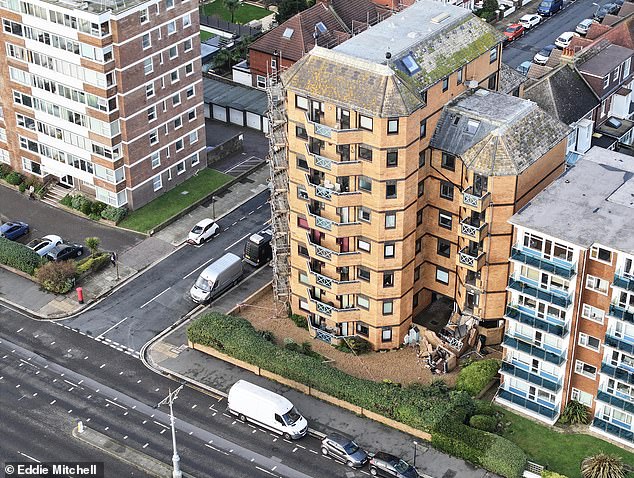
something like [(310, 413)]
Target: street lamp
[(176, 473), (415, 445)]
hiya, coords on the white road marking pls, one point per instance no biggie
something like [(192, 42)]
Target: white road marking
[(160, 424), (118, 323), (198, 268), (234, 223), (251, 213), (116, 404), (235, 166), (145, 446), (29, 457), (294, 450), (19, 330), (194, 406), (125, 437), (216, 449), (155, 297), (71, 383), (301, 446), (239, 240), (313, 451), (28, 363), (266, 471), (102, 365)]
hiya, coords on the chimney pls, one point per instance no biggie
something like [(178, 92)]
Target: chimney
[(568, 55), (325, 2)]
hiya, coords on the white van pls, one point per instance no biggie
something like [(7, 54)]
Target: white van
[(216, 278), (267, 409)]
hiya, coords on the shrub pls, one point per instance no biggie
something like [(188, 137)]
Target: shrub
[(267, 335), (575, 413), (13, 178), (22, 187), (356, 345), (300, 321), (57, 277), (67, 201), (483, 408), (97, 208), (93, 263), (92, 243), (14, 254), (5, 169), (474, 377), (115, 214), (551, 474), (86, 207), (486, 423)]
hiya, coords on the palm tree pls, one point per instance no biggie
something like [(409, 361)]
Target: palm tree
[(93, 244), (232, 6), (602, 465)]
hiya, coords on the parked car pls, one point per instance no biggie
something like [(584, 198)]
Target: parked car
[(344, 449), (607, 9), (44, 245), (549, 7), (202, 231), (14, 230), (530, 20), (257, 249), (524, 67), (384, 464), (514, 31), (542, 56), (583, 26), (564, 39), (63, 252), (216, 278)]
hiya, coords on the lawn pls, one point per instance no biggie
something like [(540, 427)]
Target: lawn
[(162, 208), (244, 14), (559, 452)]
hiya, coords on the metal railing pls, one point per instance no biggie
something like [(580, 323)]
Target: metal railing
[(619, 343), (470, 230), (468, 259), (623, 281), (621, 313), (617, 372), (473, 200), (538, 380), (326, 253), (617, 431), (615, 401), (558, 299), (529, 404), (534, 351), (541, 324), (518, 254)]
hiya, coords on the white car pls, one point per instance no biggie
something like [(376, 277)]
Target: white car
[(44, 245), (530, 20), (564, 39), (584, 26), (202, 231)]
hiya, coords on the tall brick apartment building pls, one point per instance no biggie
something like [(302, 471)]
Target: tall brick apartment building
[(383, 217), (103, 97), (570, 329)]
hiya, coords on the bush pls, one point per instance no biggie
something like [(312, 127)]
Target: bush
[(97, 208), (483, 408), (575, 413), (93, 263), (86, 207), (13, 178), (22, 187), (5, 169), (14, 254), (474, 377), (300, 321), (57, 277), (115, 214), (486, 423), (551, 474), (356, 345), (78, 201), (67, 201)]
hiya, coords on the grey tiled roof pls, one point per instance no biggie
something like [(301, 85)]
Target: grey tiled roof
[(510, 79), (496, 134)]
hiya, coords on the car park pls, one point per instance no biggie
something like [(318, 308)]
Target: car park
[(14, 230), (563, 40), (384, 464), (549, 7), (44, 245), (64, 252), (542, 56), (583, 26), (530, 20), (607, 9), (203, 231), (344, 449), (513, 32)]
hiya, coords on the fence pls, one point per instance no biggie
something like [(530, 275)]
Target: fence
[(220, 24)]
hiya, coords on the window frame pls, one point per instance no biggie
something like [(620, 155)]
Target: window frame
[(440, 244), (448, 161), (390, 214), (392, 126), (442, 215), (386, 254), (444, 187), (365, 119), (389, 303)]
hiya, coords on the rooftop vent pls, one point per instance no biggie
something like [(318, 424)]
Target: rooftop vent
[(321, 27), (288, 33), (440, 18), (471, 84), (613, 123)]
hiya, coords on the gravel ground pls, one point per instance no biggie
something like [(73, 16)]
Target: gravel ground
[(401, 366)]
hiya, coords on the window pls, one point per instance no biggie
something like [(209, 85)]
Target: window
[(392, 159), (582, 397), (195, 159), (301, 132), (416, 273), (493, 55), (303, 278), (155, 158), (149, 90), (191, 115), (423, 128), (148, 66), (421, 158), (32, 166), (444, 219), (146, 41), (362, 329), (388, 279), (190, 92), (364, 214), (421, 188), (419, 245), (615, 73), (606, 81), (187, 20), (585, 369), (363, 245), (364, 153), (448, 161), (302, 193), (589, 342), (302, 250), (173, 52), (144, 15), (187, 46), (597, 284), (493, 79), (176, 99), (390, 220), (442, 275), (390, 190), (153, 136), (303, 222), (423, 96), (179, 145), (169, 4), (180, 167), (419, 217), (446, 190), (386, 334), (392, 126), (626, 67), (151, 113), (363, 302), (459, 79), (174, 76), (445, 83), (365, 183), (261, 82), (178, 122), (388, 250), (365, 122), (302, 163), (592, 313), (300, 102), (415, 300), (171, 27), (303, 304), (600, 254), (363, 273), (388, 307), (157, 182), (443, 248)]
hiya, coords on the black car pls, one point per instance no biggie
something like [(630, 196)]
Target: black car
[(344, 449), (64, 252), (384, 464), (607, 9)]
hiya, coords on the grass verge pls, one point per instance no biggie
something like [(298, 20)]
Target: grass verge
[(244, 14), (204, 36), (162, 208)]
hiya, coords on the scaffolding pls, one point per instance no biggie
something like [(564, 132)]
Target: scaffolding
[(278, 164)]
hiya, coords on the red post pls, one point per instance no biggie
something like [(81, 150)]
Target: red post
[(80, 295)]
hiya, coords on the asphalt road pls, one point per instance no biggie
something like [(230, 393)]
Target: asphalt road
[(160, 296), (524, 48), (51, 376)]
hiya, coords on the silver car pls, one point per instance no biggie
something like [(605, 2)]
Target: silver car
[(344, 450)]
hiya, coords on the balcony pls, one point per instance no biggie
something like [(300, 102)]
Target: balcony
[(337, 259), (332, 192), (526, 256), (623, 344), (339, 229), (338, 287), (519, 343), (561, 299), (329, 309), (337, 134), (559, 329), (472, 260), (615, 401), (552, 383), (621, 313), (475, 201), (612, 429), (473, 232), (624, 282), (339, 168), (506, 395), (619, 372)]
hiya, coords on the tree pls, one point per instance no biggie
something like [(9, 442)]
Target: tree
[(602, 465), (232, 6), (222, 59), (93, 244), (575, 413), (287, 8)]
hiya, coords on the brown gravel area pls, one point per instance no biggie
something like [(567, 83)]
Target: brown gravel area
[(400, 365)]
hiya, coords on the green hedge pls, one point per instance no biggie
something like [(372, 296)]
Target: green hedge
[(93, 263), (424, 407), (487, 423), (477, 375), (552, 474), (18, 256)]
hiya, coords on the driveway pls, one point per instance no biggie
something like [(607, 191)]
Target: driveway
[(44, 219)]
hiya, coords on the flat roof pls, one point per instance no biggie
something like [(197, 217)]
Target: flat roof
[(593, 202), (232, 95)]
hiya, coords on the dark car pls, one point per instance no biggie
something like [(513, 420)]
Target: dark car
[(607, 9), (63, 252), (384, 464), (344, 449), (13, 230), (513, 32), (542, 56)]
